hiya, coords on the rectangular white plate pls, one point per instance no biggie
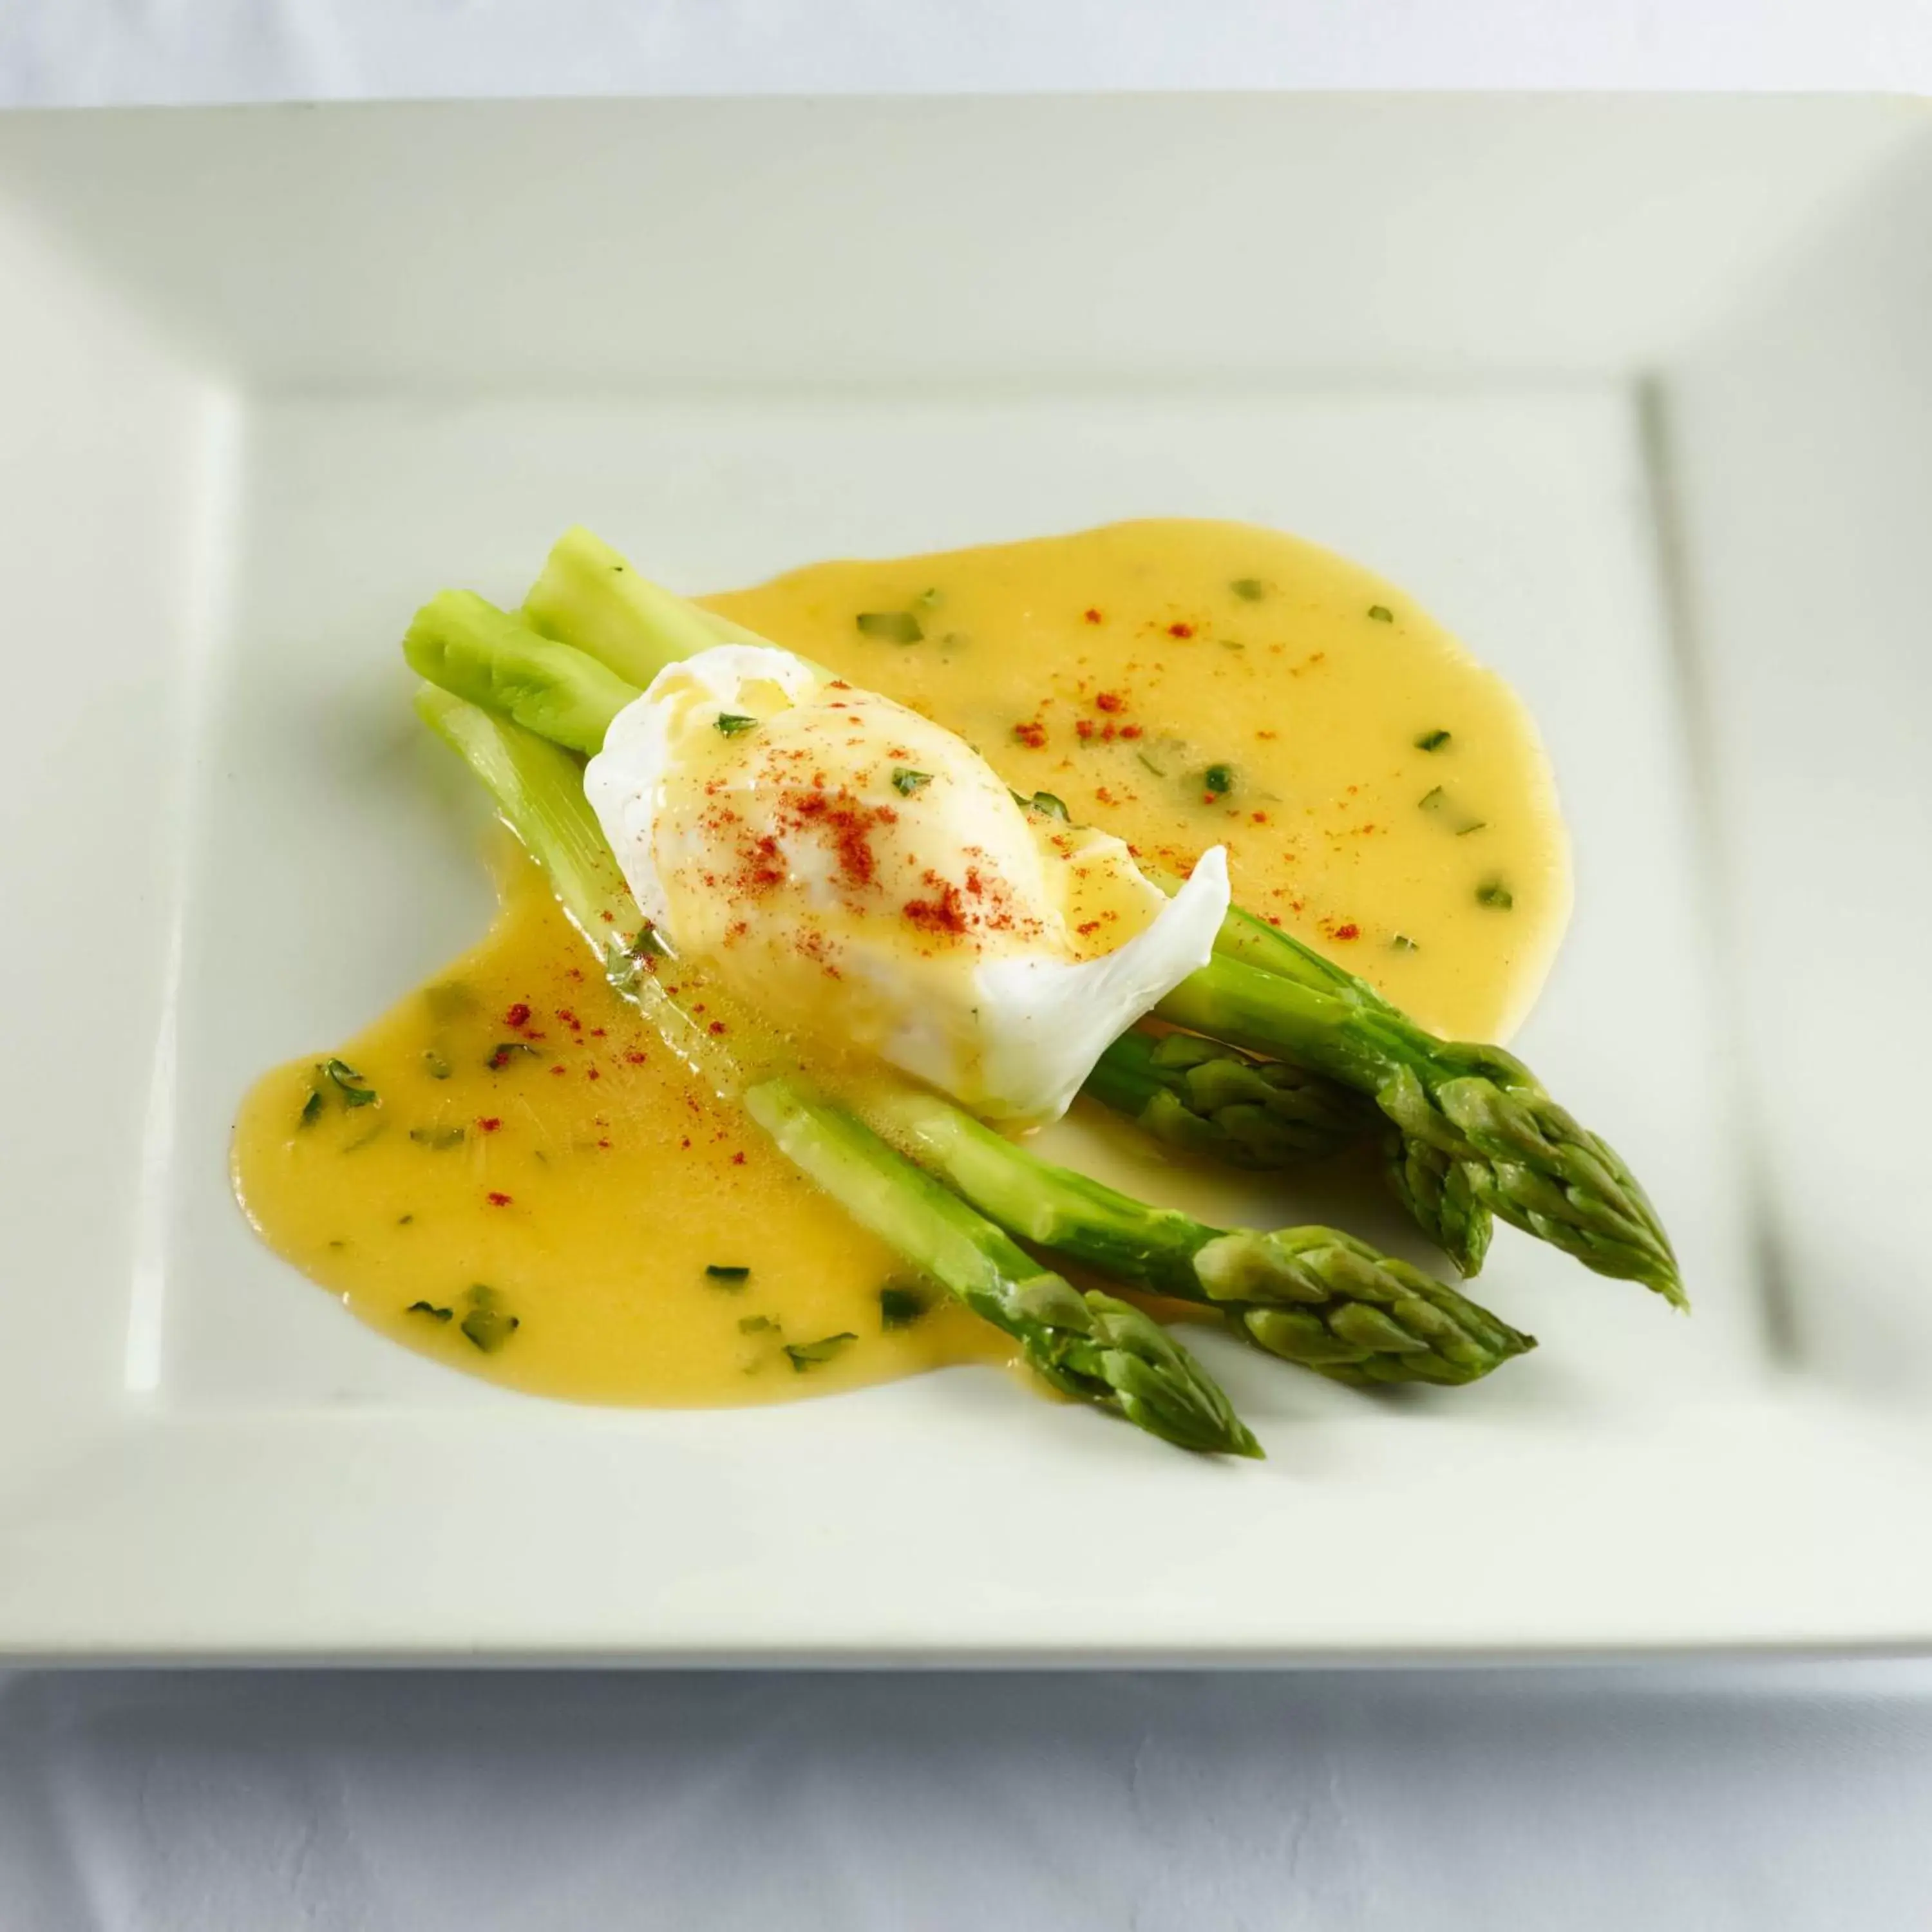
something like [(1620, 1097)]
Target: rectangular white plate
[(1636, 395)]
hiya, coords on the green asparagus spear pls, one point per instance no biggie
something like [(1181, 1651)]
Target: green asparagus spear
[(590, 597), (1089, 1346), (1208, 1099), (1479, 1125), (1311, 1295), (1195, 1094), (1477, 1133), (1437, 1190), (464, 644), (1434, 1188), (1440, 1194)]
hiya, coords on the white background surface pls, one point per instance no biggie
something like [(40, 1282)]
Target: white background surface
[(1756, 1797)]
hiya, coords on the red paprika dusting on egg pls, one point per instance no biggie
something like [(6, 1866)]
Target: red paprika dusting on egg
[(945, 912)]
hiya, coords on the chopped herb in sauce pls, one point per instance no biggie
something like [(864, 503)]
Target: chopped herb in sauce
[(1401, 943), (896, 627), (757, 1324), (900, 1306), (1159, 771), (500, 1054), (1042, 802), (732, 723), (1431, 741), (356, 1091), (1218, 780), (928, 597), (487, 1324), (441, 1138), (1494, 893), (311, 1111), (1381, 614), (434, 1065), (727, 1276), (804, 1355), (429, 1309), (906, 781), (403, 1220), (1249, 590)]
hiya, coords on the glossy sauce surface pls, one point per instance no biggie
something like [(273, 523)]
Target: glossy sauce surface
[(1185, 683), (528, 1137), (535, 1190)]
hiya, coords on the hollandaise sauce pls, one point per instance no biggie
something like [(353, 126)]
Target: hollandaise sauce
[(509, 1172)]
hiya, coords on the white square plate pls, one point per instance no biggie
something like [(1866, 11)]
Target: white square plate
[(1636, 395)]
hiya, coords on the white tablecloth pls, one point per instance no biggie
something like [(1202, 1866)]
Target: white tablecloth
[(1749, 1800), (1760, 1798)]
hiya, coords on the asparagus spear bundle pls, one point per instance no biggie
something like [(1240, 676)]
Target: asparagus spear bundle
[(1088, 1345), (1311, 1295), (1473, 1133)]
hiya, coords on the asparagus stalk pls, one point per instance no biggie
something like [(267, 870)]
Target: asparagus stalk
[(1476, 1127), (1311, 1295), (1208, 1099), (1474, 1132), (1440, 1194), (565, 695), (1088, 1345), (590, 597), (1195, 1094)]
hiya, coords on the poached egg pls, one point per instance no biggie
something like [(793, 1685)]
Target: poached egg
[(860, 874)]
